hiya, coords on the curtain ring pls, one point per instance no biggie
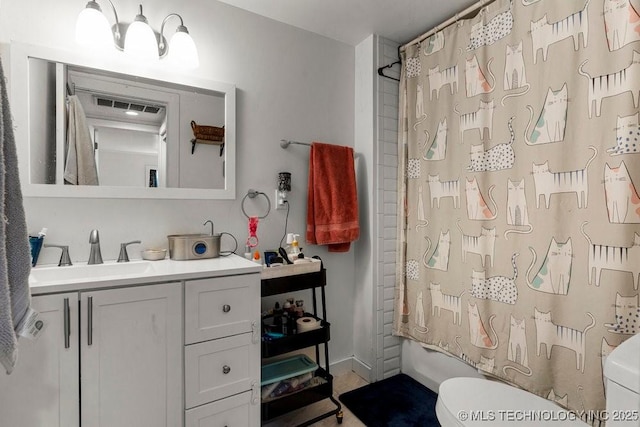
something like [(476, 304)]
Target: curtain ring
[(458, 22), (252, 194)]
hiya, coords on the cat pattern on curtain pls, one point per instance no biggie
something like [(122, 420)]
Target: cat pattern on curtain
[(421, 116), (552, 121), (439, 260), (517, 212), (438, 148), (548, 183), (420, 327), (554, 274), (496, 158), (613, 84), (483, 245), (515, 72), (627, 315), (627, 136), (544, 34), (414, 67), (605, 257), (478, 335), (484, 310), (517, 350), (496, 29), (480, 119), (497, 288), (441, 301), (477, 208), (433, 44), (422, 219), (476, 81), (550, 334), (621, 22), (441, 189), (438, 79), (623, 202)]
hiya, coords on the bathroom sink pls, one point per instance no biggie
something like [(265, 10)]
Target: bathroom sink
[(84, 272)]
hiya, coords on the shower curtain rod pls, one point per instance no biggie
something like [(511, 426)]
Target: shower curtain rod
[(455, 18)]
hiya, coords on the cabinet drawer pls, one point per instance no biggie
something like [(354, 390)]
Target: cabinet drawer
[(220, 307), (217, 369), (232, 411)]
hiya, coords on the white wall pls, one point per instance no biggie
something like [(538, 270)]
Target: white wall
[(291, 84)]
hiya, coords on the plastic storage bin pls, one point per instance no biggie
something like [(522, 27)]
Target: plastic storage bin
[(287, 368)]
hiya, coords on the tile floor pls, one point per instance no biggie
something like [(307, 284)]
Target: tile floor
[(341, 384)]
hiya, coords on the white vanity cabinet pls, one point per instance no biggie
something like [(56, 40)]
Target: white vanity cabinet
[(131, 370), (43, 388), (166, 345), (125, 356), (222, 351)]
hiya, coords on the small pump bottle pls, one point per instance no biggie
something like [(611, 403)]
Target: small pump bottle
[(294, 249)]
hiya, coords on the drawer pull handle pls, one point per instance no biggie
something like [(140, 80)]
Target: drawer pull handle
[(66, 317), (90, 321), (226, 369), (226, 308)]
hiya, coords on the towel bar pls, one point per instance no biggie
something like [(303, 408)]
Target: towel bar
[(285, 143)]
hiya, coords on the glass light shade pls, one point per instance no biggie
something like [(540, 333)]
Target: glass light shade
[(284, 181), (92, 28), (182, 51), (140, 41)]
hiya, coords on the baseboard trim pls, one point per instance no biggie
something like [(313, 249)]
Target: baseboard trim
[(351, 364)]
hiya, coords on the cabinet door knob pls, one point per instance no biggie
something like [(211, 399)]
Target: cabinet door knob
[(226, 308), (226, 369)]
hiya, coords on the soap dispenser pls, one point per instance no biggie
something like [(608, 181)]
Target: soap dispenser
[(294, 248)]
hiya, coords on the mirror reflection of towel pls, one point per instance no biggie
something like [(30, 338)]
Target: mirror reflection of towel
[(332, 203), (80, 167)]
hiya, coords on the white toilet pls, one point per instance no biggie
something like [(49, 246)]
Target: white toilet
[(480, 402)]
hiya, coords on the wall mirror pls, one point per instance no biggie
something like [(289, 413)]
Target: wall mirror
[(138, 124)]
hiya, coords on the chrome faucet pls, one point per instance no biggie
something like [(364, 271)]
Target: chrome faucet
[(65, 259), (124, 256), (209, 222), (95, 257)]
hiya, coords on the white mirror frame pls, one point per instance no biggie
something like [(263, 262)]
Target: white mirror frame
[(19, 83)]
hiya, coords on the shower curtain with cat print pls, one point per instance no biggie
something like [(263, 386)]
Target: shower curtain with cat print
[(519, 211)]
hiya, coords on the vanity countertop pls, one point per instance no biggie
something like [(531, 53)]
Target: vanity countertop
[(54, 279)]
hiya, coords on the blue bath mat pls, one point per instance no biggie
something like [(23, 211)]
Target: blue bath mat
[(398, 401)]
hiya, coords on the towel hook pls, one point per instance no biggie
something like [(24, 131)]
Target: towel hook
[(252, 194)]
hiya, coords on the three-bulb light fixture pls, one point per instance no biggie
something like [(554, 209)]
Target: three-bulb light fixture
[(137, 39)]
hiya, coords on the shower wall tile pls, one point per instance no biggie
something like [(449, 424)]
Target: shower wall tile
[(387, 347)]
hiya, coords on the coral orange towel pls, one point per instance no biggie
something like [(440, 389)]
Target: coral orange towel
[(332, 202)]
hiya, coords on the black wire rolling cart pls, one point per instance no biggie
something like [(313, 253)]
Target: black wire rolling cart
[(273, 408)]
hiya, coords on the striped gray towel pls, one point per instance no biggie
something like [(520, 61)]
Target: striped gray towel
[(15, 264)]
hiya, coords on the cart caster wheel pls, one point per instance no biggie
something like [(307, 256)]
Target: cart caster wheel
[(339, 417)]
